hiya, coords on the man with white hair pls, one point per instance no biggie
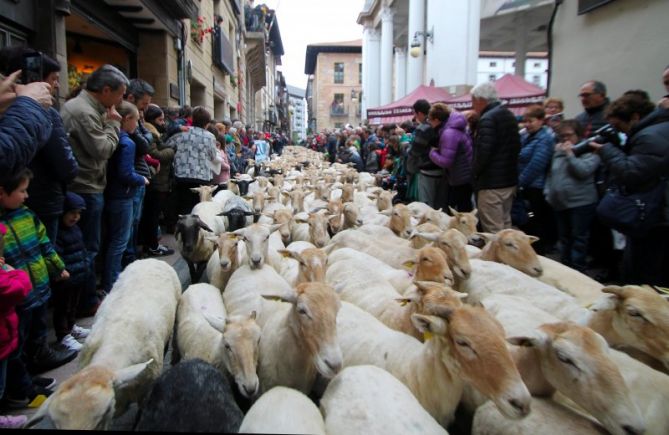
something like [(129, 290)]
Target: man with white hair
[(495, 160)]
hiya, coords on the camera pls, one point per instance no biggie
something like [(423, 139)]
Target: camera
[(605, 134)]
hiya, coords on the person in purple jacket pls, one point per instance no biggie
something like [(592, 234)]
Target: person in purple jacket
[(122, 182), (454, 154)]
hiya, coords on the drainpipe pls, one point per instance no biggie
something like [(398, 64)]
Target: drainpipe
[(549, 38), (180, 45)]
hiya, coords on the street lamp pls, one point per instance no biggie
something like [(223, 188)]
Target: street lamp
[(416, 44)]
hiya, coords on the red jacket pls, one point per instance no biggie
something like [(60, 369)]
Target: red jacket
[(14, 286)]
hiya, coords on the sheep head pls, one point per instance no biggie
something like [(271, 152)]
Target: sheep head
[(575, 360), (513, 248)]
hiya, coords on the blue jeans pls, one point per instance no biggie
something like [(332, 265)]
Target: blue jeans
[(574, 233), (119, 223), (91, 225), (130, 254)]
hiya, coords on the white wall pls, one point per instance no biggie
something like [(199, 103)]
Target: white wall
[(452, 57), (623, 44), (533, 67)]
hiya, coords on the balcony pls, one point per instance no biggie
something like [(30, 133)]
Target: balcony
[(338, 109), (223, 54), (181, 8)]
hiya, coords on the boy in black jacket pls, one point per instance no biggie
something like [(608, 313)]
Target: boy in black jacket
[(70, 246)]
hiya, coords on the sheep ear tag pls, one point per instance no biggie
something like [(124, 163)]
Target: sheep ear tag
[(427, 335)]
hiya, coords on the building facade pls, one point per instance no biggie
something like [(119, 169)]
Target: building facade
[(335, 84), (493, 65), (618, 43), (298, 114), (193, 52)]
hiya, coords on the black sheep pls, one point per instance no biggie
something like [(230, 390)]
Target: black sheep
[(190, 397)]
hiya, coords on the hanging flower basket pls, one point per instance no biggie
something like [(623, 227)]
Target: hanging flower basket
[(199, 29)]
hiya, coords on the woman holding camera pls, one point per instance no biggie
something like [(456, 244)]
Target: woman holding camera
[(570, 190), (640, 166)]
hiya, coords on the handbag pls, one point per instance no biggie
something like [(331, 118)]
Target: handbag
[(632, 214)]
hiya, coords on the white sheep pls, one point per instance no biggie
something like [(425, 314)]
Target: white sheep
[(231, 345), (368, 400), (579, 285), (389, 253), (283, 410), (123, 354), (465, 344), (222, 196), (209, 212)]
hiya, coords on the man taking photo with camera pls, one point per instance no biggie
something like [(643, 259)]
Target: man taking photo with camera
[(640, 166)]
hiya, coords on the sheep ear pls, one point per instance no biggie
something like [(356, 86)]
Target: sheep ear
[(487, 237), (211, 238), (329, 248), (429, 324), (195, 189), (475, 211), (606, 302), (618, 291), (203, 225), (453, 212), (432, 237), (239, 232), (127, 375), (387, 212), (425, 286), (532, 239), (537, 339), (274, 227), (216, 322)]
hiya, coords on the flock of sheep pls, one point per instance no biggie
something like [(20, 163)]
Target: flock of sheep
[(334, 312)]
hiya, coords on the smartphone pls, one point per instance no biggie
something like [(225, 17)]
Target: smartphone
[(32, 68)]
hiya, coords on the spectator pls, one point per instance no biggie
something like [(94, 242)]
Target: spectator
[(27, 247), (139, 93), (554, 108), (262, 148), (158, 191), (119, 194), (424, 172), (93, 124), (664, 102), (54, 164), (534, 161), (24, 122), (570, 190), (454, 154), (594, 101), (495, 159), (221, 169), (372, 162), (14, 287), (641, 166), (70, 247), (195, 151)]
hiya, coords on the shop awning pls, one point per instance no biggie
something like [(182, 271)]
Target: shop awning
[(402, 109)]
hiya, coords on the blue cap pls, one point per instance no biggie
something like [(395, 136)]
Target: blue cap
[(73, 202)]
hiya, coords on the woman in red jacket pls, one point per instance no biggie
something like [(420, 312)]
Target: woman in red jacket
[(14, 287)]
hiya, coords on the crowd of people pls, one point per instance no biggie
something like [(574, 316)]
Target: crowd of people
[(84, 192), (523, 171)]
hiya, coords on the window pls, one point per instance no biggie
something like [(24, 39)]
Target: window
[(537, 64), (339, 72), (493, 64), (492, 77), (513, 65), (338, 105), (536, 80), (359, 73), (339, 125)]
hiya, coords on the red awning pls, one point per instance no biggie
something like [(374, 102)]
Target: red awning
[(513, 91), (402, 109)]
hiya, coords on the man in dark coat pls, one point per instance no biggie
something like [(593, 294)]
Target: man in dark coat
[(594, 102), (423, 171), (495, 159)]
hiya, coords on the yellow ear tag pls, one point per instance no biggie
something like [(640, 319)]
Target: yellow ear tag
[(427, 335), (403, 302), (37, 401)]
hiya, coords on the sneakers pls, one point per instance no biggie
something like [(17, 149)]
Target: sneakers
[(12, 421), (44, 382), (47, 358), (71, 343), (160, 251), (33, 400), (79, 333)]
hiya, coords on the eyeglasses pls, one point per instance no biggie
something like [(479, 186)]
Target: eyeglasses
[(585, 94), (565, 136)]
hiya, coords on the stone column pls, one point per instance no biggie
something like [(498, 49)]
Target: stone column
[(400, 72), (415, 65), (521, 23), (371, 83), (386, 64)]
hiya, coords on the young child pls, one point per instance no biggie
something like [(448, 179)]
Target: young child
[(27, 247), (122, 181), (14, 287), (70, 247)]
